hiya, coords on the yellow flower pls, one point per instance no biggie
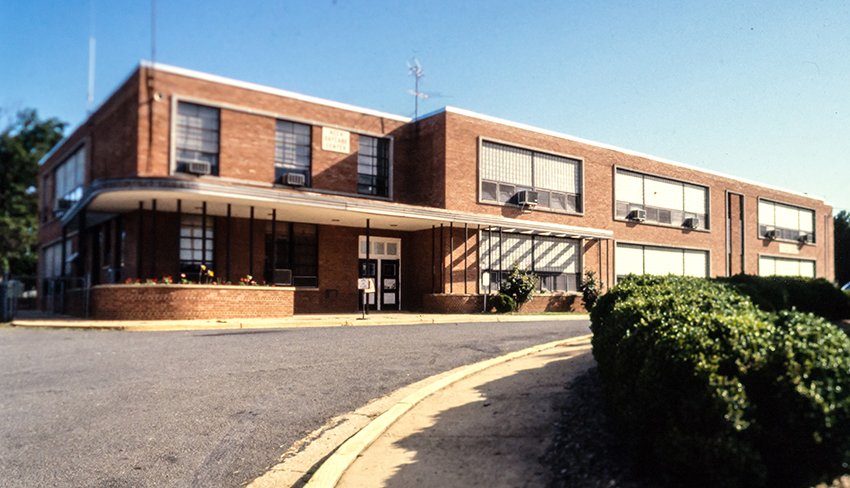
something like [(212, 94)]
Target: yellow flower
[(203, 267), (211, 273)]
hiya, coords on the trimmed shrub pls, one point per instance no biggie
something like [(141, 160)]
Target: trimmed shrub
[(519, 285), (776, 293), (589, 287), (712, 391), (503, 303)]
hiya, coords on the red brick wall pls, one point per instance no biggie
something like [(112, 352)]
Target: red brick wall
[(184, 302), (462, 133)]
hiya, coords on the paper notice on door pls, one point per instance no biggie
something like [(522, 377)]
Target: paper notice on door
[(389, 283)]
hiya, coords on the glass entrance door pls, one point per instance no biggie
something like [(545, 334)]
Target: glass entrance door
[(385, 267)]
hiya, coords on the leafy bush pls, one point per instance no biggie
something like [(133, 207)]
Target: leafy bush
[(503, 303), (776, 293), (590, 289), (707, 387), (519, 285)]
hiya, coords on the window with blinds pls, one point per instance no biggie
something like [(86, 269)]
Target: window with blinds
[(770, 266), (507, 170), (69, 179), (638, 259), (292, 145), (554, 259), (785, 222), (197, 136), (665, 201)]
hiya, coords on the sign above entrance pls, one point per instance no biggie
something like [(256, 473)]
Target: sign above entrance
[(366, 284), (336, 140)]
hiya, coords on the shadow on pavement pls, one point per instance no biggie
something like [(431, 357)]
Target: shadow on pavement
[(490, 431)]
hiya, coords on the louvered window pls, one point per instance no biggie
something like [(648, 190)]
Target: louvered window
[(554, 259), (507, 170)]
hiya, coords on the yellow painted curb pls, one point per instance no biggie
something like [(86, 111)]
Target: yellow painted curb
[(331, 471)]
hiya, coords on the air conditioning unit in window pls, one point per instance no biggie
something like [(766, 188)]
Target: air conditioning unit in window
[(294, 179), (637, 215), (64, 204), (804, 238), (283, 277), (770, 233), (692, 222), (528, 198), (198, 167)]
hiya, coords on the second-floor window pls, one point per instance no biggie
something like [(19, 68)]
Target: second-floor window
[(197, 138), (373, 166), (507, 170), (660, 200), (292, 153), (69, 179), (785, 222)]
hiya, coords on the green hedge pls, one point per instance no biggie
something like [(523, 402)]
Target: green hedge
[(777, 293), (712, 391)]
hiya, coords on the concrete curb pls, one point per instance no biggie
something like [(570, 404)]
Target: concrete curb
[(331, 471), (289, 322)]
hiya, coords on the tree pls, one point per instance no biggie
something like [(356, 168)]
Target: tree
[(842, 247), (22, 144)]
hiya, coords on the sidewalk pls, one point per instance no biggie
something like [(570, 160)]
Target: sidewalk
[(37, 319), (488, 425)]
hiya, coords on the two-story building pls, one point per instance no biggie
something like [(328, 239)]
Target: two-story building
[(184, 176)]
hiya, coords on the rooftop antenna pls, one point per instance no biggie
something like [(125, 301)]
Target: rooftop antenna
[(416, 71), (90, 94)]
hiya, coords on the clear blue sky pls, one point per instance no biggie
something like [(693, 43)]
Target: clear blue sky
[(759, 90)]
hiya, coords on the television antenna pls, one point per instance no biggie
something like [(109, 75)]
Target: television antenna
[(416, 70)]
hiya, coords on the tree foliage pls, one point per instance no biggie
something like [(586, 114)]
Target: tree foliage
[(842, 247), (22, 144)]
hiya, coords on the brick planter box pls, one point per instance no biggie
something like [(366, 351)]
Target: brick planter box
[(183, 302), (460, 303)]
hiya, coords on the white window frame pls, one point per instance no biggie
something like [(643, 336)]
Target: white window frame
[(799, 261)]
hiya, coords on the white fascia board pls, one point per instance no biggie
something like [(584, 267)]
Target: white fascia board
[(266, 89), (568, 137)]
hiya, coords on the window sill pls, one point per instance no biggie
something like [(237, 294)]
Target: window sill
[(530, 209), (666, 226)]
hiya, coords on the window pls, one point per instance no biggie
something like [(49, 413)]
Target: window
[(197, 136), (554, 259), (507, 170), (373, 166), (637, 259), (196, 244), (665, 201), (769, 266), (52, 265), (291, 151), (785, 222), (296, 249), (69, 178)]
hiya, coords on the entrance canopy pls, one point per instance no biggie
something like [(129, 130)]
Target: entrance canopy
[(124, 195)]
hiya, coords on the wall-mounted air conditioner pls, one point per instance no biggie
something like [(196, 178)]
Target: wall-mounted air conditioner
[(294, 179), (637, 215), (528, 198), (692, 222), (283, 277), (770, 233), (198, 167), (804, 238)]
